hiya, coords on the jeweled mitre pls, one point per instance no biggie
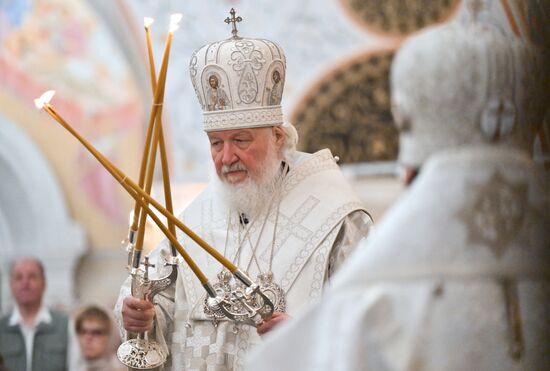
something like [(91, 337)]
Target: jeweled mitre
[(239, 83)]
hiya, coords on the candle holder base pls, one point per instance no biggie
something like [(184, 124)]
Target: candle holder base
[(249, 305), (141, 354)]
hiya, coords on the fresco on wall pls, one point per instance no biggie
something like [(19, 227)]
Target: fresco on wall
[(62, 45), (348, 109), (349, 112), (399, 17)]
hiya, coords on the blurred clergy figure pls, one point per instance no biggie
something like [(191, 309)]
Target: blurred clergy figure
[(457, 275)]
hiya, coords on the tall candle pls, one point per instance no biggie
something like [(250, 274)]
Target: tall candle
[(147, 145), (137, 193), (162, 146), (147, 22), (157, 134)]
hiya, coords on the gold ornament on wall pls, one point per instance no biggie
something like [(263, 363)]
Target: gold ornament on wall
[(348, 111), (399, 17)]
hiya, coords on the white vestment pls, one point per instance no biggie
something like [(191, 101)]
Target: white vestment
[(319, 221), (455, 277)]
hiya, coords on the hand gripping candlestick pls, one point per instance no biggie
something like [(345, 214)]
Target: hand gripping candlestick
[(141, 353)]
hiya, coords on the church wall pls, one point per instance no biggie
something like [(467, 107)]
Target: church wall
[(65, 155), (35, 219), (64, 46)]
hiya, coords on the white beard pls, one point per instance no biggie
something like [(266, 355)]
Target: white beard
[(252, 196)]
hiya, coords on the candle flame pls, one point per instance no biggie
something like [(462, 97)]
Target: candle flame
[(44, 99), (174, 22), (148, 21)]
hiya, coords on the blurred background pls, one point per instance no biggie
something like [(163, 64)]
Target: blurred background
[(58, 203)]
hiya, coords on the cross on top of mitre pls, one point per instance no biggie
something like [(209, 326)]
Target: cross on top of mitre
[(233, 20)]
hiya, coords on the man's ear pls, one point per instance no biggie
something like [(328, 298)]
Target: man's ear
[(280, 136), (409, 174)]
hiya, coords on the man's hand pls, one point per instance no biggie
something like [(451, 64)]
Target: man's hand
[(137, 314), (273, 321)]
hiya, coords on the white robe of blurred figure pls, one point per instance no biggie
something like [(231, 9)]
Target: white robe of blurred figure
[(457, 274)]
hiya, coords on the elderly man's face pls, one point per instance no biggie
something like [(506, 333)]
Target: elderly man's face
[(240, 153), (27, 283)]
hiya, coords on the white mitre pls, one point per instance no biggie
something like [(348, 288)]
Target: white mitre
[(435, 110), (249, 74)]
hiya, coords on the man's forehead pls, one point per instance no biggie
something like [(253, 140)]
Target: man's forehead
[(25, 266), (234, 132), (93, 322)]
